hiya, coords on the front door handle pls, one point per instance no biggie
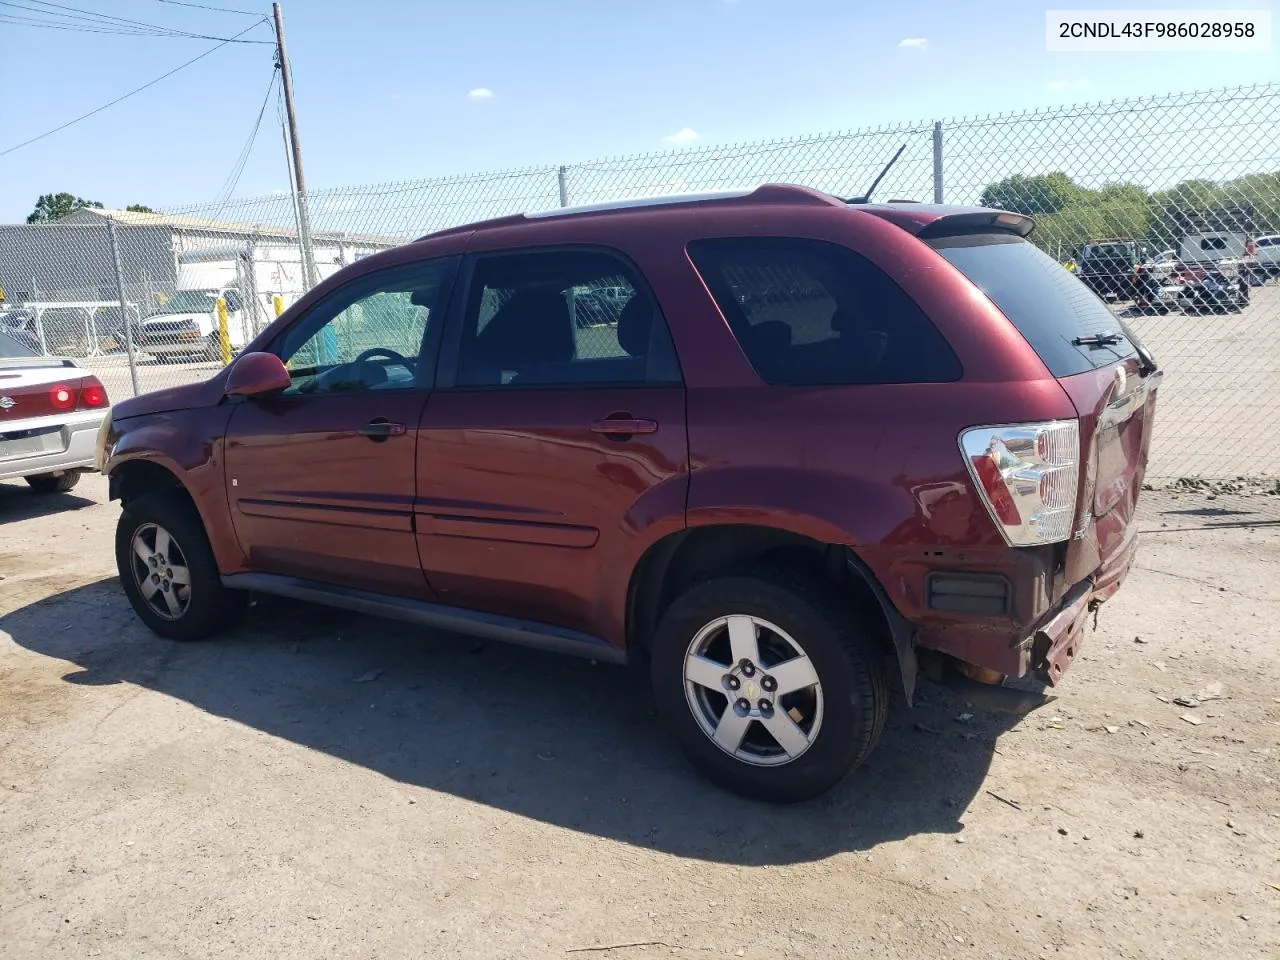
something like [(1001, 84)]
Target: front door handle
[(380, 429), (624, 426)]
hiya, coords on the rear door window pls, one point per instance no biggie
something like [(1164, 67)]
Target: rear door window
[(1050, 307), (808, 312)]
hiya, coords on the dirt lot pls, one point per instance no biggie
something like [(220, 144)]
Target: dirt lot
[(319, 784)]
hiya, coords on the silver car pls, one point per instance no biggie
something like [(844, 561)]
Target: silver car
[(51, 410)]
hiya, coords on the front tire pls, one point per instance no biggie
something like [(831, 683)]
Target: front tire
[(54, 482), (168, 570), (770, 684)]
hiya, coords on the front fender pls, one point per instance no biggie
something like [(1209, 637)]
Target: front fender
[(189, 444)]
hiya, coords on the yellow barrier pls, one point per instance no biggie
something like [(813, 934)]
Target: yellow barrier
[(278, 302), (224, 337)]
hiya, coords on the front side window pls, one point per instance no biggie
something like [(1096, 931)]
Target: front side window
[(809, 312), (369, 335), (562, 318)]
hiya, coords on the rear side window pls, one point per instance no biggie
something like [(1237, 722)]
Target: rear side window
[(808, 312), (1050, 306), (564, 319)]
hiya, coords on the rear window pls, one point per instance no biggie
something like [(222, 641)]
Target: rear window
[(1050, 306), (808, 312), (10, 347)]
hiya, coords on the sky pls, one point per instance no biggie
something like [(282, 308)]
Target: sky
[(391, 90)]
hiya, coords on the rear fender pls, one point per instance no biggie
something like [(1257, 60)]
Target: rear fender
[(829, 508)]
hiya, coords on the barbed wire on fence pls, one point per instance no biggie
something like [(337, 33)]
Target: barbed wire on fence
[(1127, 193)]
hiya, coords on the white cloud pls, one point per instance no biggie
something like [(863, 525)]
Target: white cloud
[(914, 43), (682, 136), (1059, 85), (480, 93)]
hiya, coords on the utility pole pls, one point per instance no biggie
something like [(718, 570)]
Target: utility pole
[(300, 183)]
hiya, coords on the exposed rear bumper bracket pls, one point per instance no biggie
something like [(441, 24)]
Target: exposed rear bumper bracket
[(1057, 641)]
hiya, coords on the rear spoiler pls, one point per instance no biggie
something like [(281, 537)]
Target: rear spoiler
[(986, 221)]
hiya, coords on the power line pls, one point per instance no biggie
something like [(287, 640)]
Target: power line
[(233, 179), (205, 6), (89, 21), (19, 21), (150, 83)]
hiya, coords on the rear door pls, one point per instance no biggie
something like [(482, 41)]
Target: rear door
[(555, 438), (1108, 374), (322, 477)]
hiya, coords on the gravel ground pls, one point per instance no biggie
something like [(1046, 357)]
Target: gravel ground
[(325, 785)]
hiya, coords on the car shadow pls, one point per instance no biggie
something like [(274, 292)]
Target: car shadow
[(558, 740), (19, 502)]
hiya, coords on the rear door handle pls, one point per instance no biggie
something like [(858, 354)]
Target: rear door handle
[(380, 429), (624, 426)]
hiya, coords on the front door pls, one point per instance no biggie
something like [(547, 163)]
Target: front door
[(322, 477), (555, 443)]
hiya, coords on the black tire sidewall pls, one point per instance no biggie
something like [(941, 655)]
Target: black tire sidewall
[(212, 605), (43, 483), (850, 670)]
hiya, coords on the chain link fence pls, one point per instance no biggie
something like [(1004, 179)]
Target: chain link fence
[(1168, 207)]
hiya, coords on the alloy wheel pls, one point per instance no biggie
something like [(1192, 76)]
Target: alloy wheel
[(160, 571), (753, 690)]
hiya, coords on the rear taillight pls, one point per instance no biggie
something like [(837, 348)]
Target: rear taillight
[(1028, 475), (92, 393), (62, 397), (88, 394)]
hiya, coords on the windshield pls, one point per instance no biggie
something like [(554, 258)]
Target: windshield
[(190, 301), (10, 347), (1048, 305)]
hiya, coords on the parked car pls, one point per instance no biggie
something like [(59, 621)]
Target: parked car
[(838, 440), (1107, 266), (1212, 291), (1267, 256), (51, 412)]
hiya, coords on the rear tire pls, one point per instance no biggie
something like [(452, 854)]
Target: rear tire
[(168, 570), (54, 482), (825, 727)]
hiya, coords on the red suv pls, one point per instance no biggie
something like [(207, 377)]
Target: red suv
[(776, 446)]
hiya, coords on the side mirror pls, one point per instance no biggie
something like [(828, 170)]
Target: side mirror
[(257, 375), (234, 301)]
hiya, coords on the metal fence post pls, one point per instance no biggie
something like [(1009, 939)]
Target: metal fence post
[(124, 306), (937, 161), (563, 176)]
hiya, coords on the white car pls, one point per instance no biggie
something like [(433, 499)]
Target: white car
[(1267, 256), (51, 410)]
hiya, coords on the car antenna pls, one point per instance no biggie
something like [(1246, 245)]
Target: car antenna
[(866, 197)]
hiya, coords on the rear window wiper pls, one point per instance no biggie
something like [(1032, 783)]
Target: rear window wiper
[(1097, 340)]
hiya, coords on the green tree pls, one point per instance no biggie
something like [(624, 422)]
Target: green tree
[(138, 208), (53, 206), (1031, 195)]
